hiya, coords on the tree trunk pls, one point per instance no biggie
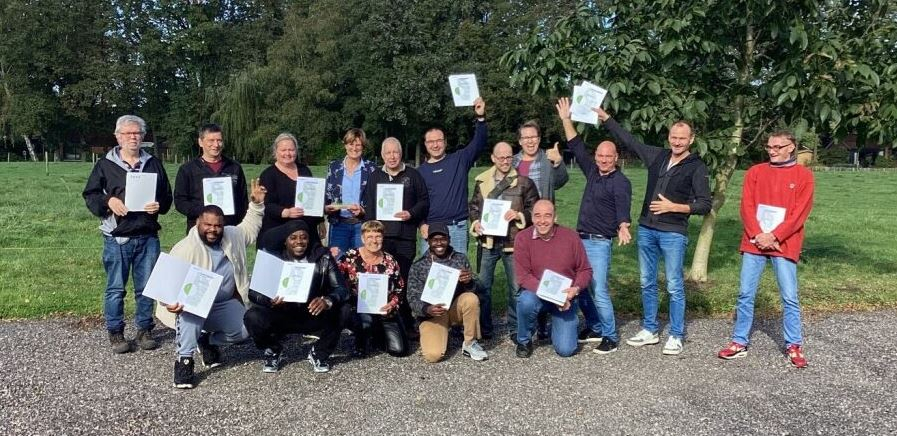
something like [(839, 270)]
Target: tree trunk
[(30, 148), (723, 174)]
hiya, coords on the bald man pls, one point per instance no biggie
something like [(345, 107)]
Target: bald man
[(603, 216), (500, 182)]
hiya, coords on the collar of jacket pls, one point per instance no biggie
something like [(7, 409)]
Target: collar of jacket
[(487, 179)]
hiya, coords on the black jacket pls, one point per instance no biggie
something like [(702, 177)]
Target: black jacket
[(108, 179), (327, 280), (686, 182), (188, 189), (415, 200)]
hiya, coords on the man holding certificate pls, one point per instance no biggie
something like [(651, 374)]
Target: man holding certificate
[(270, 318), (442, 294), (551, 268), (220, 249), (501, 206), (211, 178), (775, 203), (603, 216), (128, 189)]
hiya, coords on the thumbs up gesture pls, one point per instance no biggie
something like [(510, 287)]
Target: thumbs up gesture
[(554, 155)]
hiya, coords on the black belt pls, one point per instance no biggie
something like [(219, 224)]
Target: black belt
[(592, 236)]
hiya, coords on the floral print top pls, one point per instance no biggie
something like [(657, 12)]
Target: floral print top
[(351, 264)]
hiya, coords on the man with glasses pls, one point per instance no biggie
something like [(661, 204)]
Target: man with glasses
[(775, 202), (446, 177), (678, 187), (131, 237), (501, 182)]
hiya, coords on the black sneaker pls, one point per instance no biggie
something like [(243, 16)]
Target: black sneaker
[(272, 361), (145, 340), (211, 354), (525, 350), (119, 344), (606, 346), (317, 364), (183, 373), (588, 335)]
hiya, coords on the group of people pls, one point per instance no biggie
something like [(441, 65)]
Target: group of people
[(437, 208)]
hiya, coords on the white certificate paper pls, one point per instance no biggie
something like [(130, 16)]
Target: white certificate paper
[(493, 218), (586, 97), (220, 192), (272, 277), (389, 201), (176, 281), (464, 89), (310, 195), (552, 286), (140, 190), (769, 217), (372, 292), (440, 285)]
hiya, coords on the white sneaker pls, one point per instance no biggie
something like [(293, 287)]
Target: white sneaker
[(474, 351), (643, 337), (673, 346)]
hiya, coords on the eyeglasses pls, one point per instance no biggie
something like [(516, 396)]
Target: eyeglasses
[(528, 138), (130, 133), (434, 141), (503, 157), (777, 147)]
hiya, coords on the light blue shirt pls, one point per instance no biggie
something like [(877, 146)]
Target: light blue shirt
[(351, 188)]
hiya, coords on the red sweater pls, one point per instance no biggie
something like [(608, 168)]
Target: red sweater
[(563, 254), (790, 188)]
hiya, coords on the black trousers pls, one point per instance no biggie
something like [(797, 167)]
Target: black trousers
[(268, 325), (404, 252), (388, 332)]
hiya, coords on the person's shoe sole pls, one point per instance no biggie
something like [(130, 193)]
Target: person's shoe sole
[(588, 341), (477, 358), (211, 365), (654, 341), (597, 351), (269, 370), (672, 352), (737, 355), (183, 385)]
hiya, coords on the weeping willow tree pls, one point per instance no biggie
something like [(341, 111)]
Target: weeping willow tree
[(239, 113)]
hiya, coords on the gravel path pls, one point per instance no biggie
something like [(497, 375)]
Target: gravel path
[(59, 377)]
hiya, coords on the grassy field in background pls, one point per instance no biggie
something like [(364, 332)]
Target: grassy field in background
[(50, 247)]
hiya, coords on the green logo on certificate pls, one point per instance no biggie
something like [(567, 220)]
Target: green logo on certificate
[(187, 288)]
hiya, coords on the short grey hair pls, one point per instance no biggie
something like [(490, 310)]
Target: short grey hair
[(391, 140), (130, 119), (281, 137)]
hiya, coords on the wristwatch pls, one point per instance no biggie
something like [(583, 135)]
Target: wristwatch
[(328, 302)]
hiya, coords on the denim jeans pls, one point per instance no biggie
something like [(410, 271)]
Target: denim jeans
[(752, 266), (599, 253), (651, 245), (136, 257), (345, 236), (458, 236), (564, 324), (487, 275), (224, 325)]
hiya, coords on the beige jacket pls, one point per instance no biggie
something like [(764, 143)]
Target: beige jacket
[(233, 242)]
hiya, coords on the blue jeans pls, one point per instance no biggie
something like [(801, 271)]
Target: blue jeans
[(458, 236), (651, 245), (752, 266), (599, 255), (564, 324), (486, 276), (137, 257), (345, 236), (224, 325)]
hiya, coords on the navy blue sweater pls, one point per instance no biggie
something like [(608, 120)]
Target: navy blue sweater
[(606, 199), (447, 179)]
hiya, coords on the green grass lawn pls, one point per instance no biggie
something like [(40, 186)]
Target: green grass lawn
[(50, 247)]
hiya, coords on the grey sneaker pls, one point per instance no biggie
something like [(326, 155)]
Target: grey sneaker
[(272, 361), (119, 344), (673, 346), (474, 351), (317, 364), (643, 337), (145, 340)]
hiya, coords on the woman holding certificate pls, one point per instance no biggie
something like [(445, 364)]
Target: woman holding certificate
[(280, 181), (346, 181), (375, 284)]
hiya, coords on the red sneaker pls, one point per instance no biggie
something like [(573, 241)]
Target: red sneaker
[(796, 354), (733, 351)]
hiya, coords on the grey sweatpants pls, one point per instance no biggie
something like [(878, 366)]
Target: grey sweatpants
[(224, 326)]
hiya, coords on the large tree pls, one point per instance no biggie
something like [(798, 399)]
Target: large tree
[(736, 68)]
